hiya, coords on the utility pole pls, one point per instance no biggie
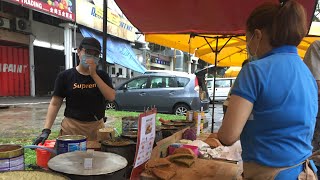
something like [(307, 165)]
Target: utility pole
[(104, 41)]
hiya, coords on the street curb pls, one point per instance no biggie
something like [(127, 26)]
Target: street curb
[(5, 106)]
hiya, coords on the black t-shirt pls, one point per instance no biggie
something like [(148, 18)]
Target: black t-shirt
[(84, 101)]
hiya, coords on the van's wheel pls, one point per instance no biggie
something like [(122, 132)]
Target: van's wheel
[(181, 109), (111, 106)]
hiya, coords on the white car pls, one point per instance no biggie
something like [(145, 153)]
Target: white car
[(222, 88)]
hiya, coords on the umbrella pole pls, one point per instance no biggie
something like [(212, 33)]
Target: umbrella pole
[(104, 38), (214, 78), (215, 71), (214, 82)]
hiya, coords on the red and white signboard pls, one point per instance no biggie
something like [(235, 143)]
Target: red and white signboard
[(145, 141), (61, 8)]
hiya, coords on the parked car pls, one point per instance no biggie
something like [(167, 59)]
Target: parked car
[(169, 91), (222, 88)]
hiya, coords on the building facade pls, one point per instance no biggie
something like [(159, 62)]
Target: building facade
[(37, 41)]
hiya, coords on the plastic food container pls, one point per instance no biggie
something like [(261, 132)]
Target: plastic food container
[(43, 156)]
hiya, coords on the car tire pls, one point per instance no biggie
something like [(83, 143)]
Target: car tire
[(211, 100), (111, 106), (181, 109)]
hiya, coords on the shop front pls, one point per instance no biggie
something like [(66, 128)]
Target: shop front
[(14, 63), (14, 70), (30, 35), (118, 51), (48, 63), (120, 33)]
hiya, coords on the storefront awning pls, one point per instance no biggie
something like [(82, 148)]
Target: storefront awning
[(118, 51)]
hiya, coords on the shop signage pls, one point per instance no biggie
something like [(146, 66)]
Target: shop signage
[(61, 8), (159, 61), (15, 68), (91, 15)]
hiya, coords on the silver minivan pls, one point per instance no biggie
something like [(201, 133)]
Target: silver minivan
[(170, 92), (222, 88)]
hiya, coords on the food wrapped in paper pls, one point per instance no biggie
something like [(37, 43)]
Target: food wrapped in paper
[(232, 153)]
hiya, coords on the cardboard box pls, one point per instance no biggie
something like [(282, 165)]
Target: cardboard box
[(218, 169), (202, 169)]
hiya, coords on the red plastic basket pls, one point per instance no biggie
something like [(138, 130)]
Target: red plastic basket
[(43, 156)]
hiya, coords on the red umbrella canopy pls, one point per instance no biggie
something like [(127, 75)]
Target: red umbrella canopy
[(224, 17)]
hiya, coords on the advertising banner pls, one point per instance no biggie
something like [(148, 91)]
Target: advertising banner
[(90, 14), (145, 141), (64, 9)]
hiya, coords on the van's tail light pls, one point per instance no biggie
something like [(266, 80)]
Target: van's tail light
[(196, 85)]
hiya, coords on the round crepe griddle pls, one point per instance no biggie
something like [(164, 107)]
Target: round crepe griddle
[(102, 163)]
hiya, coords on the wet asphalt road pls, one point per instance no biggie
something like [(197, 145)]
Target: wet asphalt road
[(23, 120), (28, 120), (218, 115)]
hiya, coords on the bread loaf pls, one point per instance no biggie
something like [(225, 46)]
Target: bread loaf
[(213, 142), (162, 162), (163, 174), (184, 162), (213, 135), (180, 156), (183, 150)]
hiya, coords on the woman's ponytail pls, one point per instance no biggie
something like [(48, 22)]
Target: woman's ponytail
[(285, 23), (289, 24)]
